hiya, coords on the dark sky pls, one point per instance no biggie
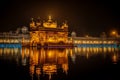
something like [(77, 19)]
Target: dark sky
[(88, 17)]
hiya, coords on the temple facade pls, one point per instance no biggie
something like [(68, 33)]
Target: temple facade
[(48, 32)]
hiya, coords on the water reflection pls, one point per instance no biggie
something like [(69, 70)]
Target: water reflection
[(47, 63), (88, 52)]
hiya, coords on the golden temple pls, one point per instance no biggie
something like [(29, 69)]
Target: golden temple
[(48, 33)]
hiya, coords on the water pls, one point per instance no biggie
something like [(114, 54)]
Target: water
[(60, 64)]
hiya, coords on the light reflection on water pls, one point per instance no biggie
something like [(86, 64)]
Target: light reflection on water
[(88, 52), (44, 63)]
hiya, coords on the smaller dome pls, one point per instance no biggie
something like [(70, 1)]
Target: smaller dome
[(73, 34), (24, 29)]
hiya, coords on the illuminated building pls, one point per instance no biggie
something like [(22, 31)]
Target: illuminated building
[(48, 33), (89, 41)]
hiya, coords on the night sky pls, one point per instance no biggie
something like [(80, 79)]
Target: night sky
[(88, 17)]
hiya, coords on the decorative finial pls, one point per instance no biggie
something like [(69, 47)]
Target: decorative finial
[(49, 18)]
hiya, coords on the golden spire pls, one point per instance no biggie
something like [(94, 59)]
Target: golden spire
[(49, 18)]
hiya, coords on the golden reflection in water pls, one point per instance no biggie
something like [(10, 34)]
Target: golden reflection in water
[(115, 57), (48, 61), (10, 54), (9, 51), (1, 51), (93, 50), (89, 51)]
